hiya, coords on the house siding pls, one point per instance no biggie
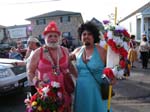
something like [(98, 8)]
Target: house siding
[(140, 20), (130, 25), (71, 26), (1, 34)]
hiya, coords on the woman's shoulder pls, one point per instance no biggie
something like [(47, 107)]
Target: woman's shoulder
[(76, 50), (38, 51), (100, 49), (102, 52)]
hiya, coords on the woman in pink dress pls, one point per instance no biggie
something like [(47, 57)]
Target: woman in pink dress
[(51, 62)]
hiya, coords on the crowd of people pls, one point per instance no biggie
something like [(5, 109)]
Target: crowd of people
[(56, 59), (139, 52)]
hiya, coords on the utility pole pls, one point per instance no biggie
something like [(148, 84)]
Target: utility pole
[(110, 86), (115, 19)]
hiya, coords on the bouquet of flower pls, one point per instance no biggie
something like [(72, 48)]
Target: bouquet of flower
[(118, 71), (49, 98), (117, 39)]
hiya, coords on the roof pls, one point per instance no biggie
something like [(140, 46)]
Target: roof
[(136, 11), (96, 21), (1, 26), (55, 13), (18, 26)]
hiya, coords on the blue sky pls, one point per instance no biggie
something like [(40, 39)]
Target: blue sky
[(14, 12)]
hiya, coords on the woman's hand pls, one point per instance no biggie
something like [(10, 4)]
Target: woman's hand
[(72, 57), (39, 84), (113, 81)]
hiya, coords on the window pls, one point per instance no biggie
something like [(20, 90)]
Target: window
[(67, 35), (40, 21), (65, 19)]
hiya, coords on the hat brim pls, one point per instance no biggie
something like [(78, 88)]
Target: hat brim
[(46, 32)]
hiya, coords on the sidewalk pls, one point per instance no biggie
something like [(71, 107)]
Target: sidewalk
[(133, 94)]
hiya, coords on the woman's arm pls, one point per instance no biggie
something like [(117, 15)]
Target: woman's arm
[(72, 59), (72, 69), (33, 64), (74, 54), (28, 52), (102, 53), (71, 65)]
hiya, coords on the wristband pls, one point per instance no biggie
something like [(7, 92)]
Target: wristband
[(35, 81)]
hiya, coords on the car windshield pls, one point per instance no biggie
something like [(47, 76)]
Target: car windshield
[(19, 69)]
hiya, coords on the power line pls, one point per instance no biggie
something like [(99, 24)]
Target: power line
[(31, 2)]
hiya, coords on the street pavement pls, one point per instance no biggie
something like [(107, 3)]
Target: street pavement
[(133, 93)]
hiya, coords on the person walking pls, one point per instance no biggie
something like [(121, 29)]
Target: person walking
[(52, 63), (33, 43), (20, 48), (144, 50), (13, 54), (65, 43), (89, 57), (132, 53)]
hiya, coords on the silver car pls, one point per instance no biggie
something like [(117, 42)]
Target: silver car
[(11, 76)]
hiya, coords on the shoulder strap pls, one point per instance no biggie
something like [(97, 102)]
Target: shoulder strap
[(41, 52), (80, 51), (105, 78), (62, 49), (92, 73)]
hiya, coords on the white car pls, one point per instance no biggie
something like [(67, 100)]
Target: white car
[(11, 76)]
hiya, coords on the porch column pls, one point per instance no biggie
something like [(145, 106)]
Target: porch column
[(142, 25)]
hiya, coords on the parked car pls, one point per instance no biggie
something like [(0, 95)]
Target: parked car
[(4, 48), (11, 76)]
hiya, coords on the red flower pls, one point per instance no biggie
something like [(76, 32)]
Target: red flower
[(105, 36), (121, 51), (34, 97), (109, 73), (126, 34), (122, 64)]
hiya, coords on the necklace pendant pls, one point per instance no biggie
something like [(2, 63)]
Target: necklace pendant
[(54, 73), (55, 70), (58, 72)]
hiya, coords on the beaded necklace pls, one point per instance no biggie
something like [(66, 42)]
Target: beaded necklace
[(55, 63)]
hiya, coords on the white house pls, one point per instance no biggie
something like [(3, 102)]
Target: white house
[(138, 22), (2, 32)]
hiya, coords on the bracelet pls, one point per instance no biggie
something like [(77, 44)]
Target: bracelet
[(35, 80), (37, 83)]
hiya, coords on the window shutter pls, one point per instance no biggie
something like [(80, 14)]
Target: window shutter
[(61, 19), (37, 22), (68, 18)]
